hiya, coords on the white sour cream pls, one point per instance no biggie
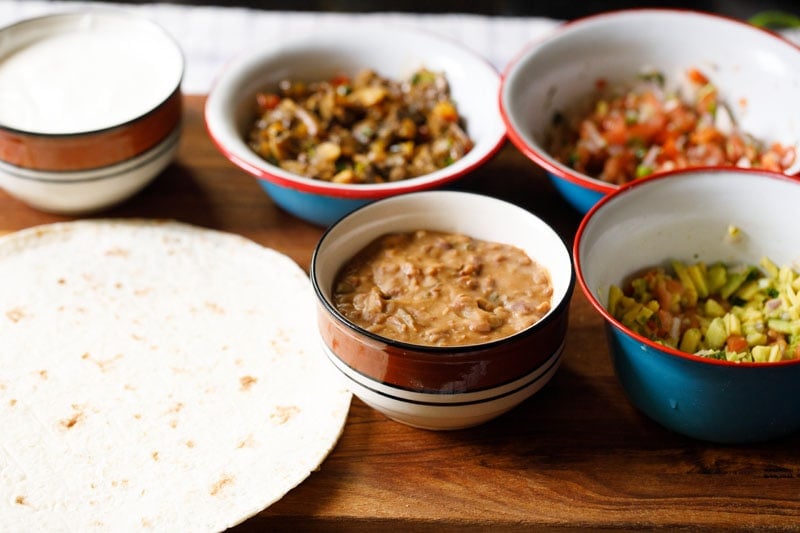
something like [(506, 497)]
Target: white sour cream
[(86, 78)]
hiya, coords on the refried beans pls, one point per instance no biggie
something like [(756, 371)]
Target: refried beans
[(442, 289)]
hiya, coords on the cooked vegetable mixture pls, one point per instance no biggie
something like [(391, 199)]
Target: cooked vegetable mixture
[(368, 129), (734, 313), (633, 133)]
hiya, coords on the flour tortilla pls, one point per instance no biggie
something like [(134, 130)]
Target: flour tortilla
[(155, 376)]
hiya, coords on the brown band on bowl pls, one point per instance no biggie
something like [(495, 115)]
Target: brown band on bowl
[(86, 151), (435, 371)]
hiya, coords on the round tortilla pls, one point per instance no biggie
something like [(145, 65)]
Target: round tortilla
[(155, 375)]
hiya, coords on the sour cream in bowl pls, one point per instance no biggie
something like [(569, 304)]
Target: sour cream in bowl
[(91, 108)]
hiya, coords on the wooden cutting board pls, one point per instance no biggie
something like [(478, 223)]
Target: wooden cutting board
[(576, 455)]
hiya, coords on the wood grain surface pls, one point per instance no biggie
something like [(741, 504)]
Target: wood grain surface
[(576, 455)]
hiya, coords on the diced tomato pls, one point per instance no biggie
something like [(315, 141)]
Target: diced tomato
[(340, 80), (695, 76), (267, 101), (648, 130), (664, 320), (736, 343), (658, 131)]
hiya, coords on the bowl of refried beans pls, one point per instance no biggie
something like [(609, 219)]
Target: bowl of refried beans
[(442, 309)]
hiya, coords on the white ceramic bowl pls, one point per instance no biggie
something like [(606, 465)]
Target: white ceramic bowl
[(757, 73), (392, 52), (685, 216), (443, 387), (104, 120)]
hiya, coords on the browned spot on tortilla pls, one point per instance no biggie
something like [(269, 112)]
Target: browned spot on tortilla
[(62, 281), (283, 413), (16, 314), (117, 252), (20, 500), (190, 444), (155, 456), (12, 402), (147, 523), (215, 308), (118, 285), (247, 442), (176, 408), (137, 416), (136, 337), (142, 292), (103, 364), (68, 423), (219, 485), (43, 374), (247, 382), (173, 423)]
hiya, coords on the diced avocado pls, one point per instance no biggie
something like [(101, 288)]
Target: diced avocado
[(690, 340), (761, 354), (784, 326), (769, 267), (748, 291), (716, 278), (713, 308), (732, 324), (734, 281), (754, 339), (689, 290), (716, 335), (698, 276), (614, 295)]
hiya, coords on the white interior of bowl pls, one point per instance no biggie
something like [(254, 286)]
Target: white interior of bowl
[(478, 216), (391, 52), (84, 71), (756, 72), (686, 216)]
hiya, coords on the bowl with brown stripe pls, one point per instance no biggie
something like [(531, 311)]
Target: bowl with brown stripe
[(92, 108), (422, 334)]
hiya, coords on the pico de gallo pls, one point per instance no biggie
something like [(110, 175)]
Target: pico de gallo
[(630, 134)]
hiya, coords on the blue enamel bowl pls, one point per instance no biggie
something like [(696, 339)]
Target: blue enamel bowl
[(556, 78), (394, 53), (686, 215)]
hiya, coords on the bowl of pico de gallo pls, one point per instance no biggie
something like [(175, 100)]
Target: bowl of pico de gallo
[(612, 98)]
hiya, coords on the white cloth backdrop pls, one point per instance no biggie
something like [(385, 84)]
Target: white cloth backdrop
[(212, 36)]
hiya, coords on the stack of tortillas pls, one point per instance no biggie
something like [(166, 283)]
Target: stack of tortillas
[(155, 376)]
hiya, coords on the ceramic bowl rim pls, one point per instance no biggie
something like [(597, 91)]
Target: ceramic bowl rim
[(616, 324), (537, 153), (216, 117)]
